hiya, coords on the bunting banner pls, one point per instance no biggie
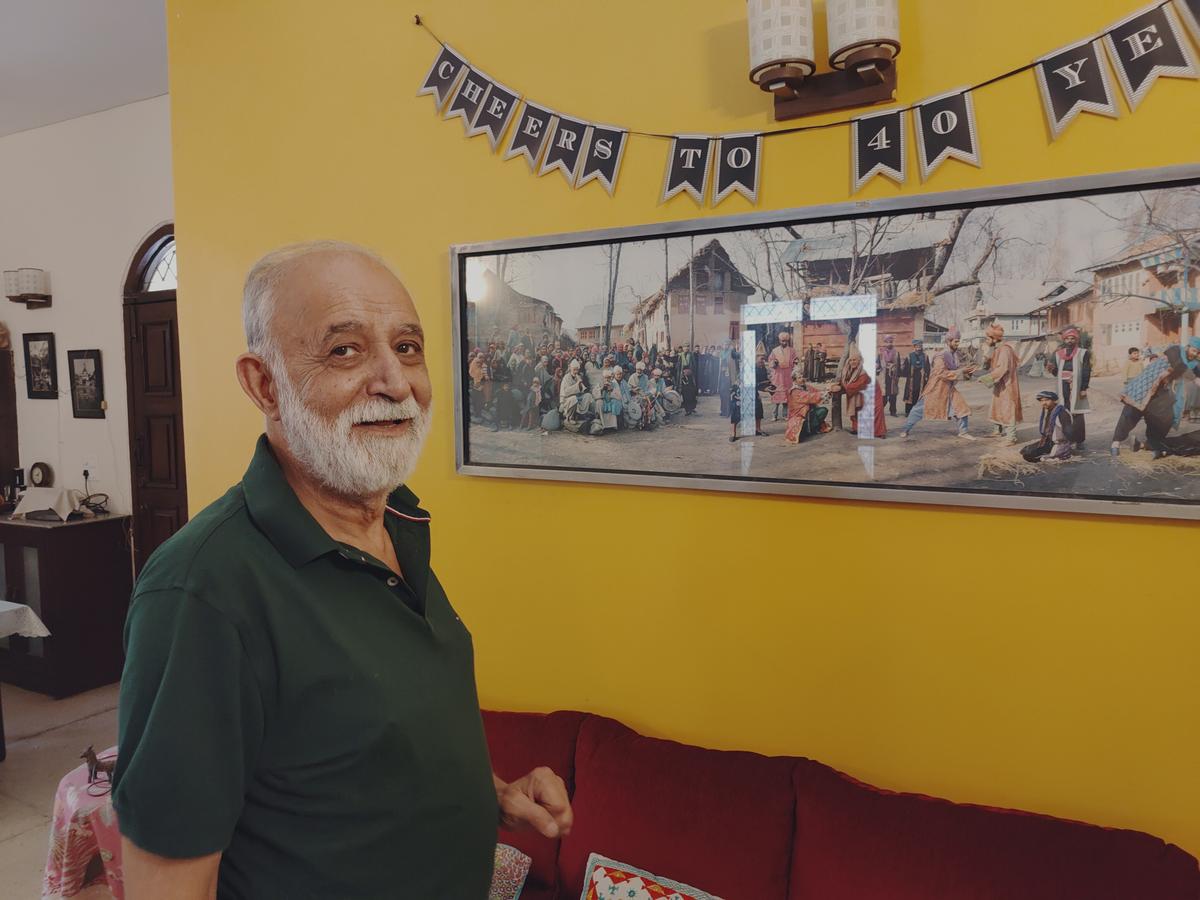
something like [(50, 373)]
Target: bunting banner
[(494, 114), (468, 100), (1147, 45), (687, 166), (602, 161), (945, 129), (1189, 11), (564, 147), (1140, 48), (443, 76), (739, 163), (1074, 80), (529, 135), (877, 148)]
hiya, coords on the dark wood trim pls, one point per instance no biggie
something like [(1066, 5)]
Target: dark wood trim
[(145, 255)]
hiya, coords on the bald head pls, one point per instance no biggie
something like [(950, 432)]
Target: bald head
[(266, 282)]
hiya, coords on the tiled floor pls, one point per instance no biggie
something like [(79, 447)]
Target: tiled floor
[(45, 739)]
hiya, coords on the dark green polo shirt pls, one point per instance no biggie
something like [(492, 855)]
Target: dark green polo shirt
[(288, 701)]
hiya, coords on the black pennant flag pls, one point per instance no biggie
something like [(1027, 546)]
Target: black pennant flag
[(443, 76), (877, 146), (469, 99), (564, 147), (946, 128), (1146, 45), (602, 161), (529, 135), (1189, 11), (1074, 80), (739, 164), (494, 114), (687, 166)]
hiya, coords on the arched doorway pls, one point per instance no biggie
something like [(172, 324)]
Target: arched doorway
[(159, 479)]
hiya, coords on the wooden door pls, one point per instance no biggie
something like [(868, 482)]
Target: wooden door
[(155, 424)]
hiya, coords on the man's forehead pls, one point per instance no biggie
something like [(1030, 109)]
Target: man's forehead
[(335, 288)]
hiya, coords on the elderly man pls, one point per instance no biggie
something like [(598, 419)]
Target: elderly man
[(1071, 365), (298, 714)]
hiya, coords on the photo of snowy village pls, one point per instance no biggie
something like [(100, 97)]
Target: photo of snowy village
[(1046, 348)]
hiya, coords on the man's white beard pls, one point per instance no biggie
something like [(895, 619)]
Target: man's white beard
[(353, 465)]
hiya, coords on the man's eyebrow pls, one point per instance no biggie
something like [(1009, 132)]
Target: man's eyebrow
[(412, 329), (341, 328)]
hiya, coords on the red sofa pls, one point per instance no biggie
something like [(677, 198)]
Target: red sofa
[(750, 827)]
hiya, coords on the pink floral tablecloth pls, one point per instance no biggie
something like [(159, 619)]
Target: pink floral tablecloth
[(85, 846)]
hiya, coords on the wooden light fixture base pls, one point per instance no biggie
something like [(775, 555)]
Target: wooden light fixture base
[(869, 77)]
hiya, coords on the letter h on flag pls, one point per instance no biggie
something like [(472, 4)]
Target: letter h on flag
[(1072, 80)]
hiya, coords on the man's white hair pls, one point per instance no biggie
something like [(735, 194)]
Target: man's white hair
[(262, 282)]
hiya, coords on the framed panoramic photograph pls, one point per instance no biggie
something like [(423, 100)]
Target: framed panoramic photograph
[(41, 366), (1031, 346), (87, 384)]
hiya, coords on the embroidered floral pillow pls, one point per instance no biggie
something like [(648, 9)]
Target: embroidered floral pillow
[(610, 880), (508, 876)]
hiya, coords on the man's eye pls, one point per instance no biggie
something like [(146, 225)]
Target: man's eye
[(408, 348), (343, 351)]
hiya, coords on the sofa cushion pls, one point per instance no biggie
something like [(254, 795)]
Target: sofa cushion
[(718, 820), (855, 841), (519, 743), (606, 879)]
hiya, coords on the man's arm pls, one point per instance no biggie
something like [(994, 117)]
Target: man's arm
[(151, 877)]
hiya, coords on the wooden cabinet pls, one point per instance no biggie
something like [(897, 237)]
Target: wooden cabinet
[(77, 577)]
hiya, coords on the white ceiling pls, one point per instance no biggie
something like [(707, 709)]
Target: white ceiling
[(65, 58)]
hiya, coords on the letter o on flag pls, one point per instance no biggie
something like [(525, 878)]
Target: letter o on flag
[(944, 122), (736, 154)]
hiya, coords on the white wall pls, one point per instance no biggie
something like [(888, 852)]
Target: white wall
[(76, 199)]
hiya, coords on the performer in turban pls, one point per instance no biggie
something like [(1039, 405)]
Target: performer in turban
[(854, 383), (1072, 366), (941, 399), (1001, 377), (806, 416)]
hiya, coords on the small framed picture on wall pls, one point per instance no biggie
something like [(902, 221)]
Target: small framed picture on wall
[(87, 384), (41, 366)]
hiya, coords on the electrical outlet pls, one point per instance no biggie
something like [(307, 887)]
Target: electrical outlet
[(92, 476)]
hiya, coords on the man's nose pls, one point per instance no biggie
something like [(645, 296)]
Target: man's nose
[(389, 376)]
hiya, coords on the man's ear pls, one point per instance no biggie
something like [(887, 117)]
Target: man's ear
[(259, 384)]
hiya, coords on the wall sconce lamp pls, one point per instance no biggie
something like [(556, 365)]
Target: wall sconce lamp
[(864, 40), (28, 286)]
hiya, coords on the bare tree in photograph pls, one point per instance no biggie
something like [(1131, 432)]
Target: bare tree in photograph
[(613, 254)]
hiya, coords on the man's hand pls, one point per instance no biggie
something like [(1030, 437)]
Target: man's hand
[(538, 801)]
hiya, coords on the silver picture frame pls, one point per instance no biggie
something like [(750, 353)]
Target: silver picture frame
[(1113, 504)]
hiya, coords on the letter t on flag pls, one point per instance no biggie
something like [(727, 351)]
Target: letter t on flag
[(877, 148), (687, 166)]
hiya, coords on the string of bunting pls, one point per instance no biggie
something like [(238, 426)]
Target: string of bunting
[(1141, 48)]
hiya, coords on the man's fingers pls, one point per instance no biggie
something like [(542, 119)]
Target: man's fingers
[(520, 809), (550, 792)]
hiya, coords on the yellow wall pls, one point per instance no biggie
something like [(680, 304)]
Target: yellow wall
[(1038, 661)]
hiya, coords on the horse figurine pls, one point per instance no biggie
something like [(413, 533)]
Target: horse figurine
[(97, 767)]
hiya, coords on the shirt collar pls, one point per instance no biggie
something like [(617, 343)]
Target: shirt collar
[(276, 509)]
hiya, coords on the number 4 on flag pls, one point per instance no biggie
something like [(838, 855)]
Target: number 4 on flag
[(877, 148)]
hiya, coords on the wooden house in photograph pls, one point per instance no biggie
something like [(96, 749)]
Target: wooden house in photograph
[(593, 318), (720, 291), (1140, 298), (899, 264)]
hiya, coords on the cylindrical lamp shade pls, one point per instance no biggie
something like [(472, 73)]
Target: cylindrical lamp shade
[(12, 285), (32, 283), (862, 25), (781, 34)]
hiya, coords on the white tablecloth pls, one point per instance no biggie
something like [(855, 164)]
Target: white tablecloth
[(16, 618)]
